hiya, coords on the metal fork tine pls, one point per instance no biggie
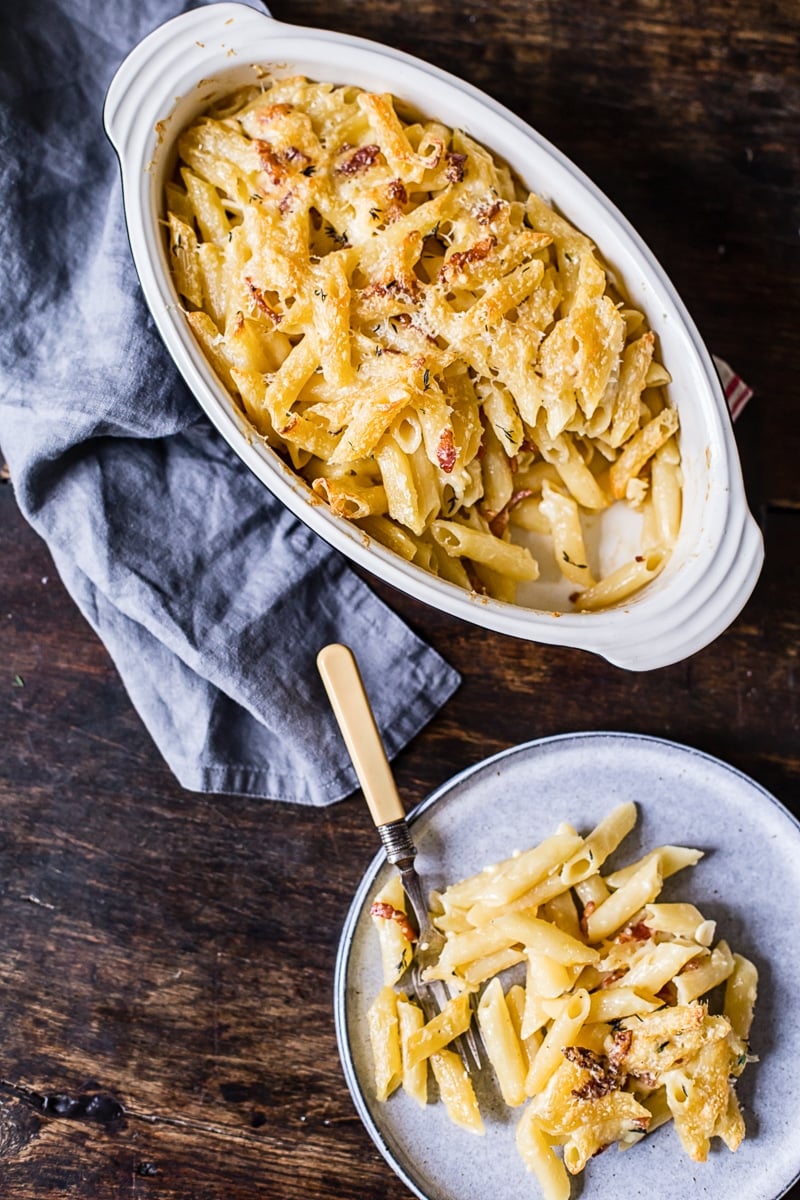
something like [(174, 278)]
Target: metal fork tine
[(401, 852)]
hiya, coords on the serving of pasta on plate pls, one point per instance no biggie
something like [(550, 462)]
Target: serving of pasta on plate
[(440, 355), (607, 1034)]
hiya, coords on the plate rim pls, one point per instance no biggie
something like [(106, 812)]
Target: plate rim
[(378, 860)]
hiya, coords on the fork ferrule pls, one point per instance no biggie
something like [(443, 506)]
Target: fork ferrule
[(396, 839)]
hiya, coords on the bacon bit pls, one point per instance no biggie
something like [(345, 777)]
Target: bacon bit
[(359, 162), (612, 978), (639, 558), (258, 296), (375, 289), (518, 497), (500, 520), (462, 258), (289, 426), (487, 212), (396, 196), (387, 912), (604, 1076), (634, 933), (455, 166), (272, 112), (286, 203), (526, 447), (396, 192), (621, 1044), (407, 288), (275, 164), (270, 162), (446, 451), (587, 912)]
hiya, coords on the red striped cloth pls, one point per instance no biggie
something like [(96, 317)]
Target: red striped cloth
[(737, 393)]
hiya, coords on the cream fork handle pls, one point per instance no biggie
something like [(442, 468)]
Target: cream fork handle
[(351, 707)]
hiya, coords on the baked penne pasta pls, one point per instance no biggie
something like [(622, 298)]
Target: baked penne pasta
[(592, 1002), (368, 284)]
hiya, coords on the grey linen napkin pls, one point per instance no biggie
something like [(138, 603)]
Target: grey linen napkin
[(211, 598)]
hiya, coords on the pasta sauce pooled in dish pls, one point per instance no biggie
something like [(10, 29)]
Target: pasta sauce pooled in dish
[(438, 353)]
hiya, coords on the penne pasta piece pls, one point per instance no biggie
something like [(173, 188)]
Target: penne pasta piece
[(741, 991), (618, 1002), (622, 583), (399, 485), (445, 1027), (640, 449), (600, 844), (505, 557), (565, 529), (641, 889), (539, 1157), (389, 534), (657, 965), (701, 976), (666, 490), (680, 921), (511, 879), (563, 1032), (410, 1019), (502, 1043), (481, 969), (548, 976), (541, 937), (395, 934), (456, 1091), (384, 1038), (671, 860)]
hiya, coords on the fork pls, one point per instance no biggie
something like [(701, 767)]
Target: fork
[(343, 683)]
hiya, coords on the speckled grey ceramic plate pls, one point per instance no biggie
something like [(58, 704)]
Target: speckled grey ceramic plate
[(748, 881)]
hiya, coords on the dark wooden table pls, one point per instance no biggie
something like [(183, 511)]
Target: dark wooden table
[(166, 959)]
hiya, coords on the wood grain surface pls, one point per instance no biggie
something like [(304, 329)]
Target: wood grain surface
[(166, 959)]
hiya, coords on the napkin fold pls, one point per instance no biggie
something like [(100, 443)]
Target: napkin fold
[(211, 598)]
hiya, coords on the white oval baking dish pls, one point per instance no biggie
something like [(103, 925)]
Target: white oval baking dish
[(185, 65)]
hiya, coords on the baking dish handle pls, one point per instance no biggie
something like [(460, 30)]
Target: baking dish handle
[(178, 51), (707, 611)]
